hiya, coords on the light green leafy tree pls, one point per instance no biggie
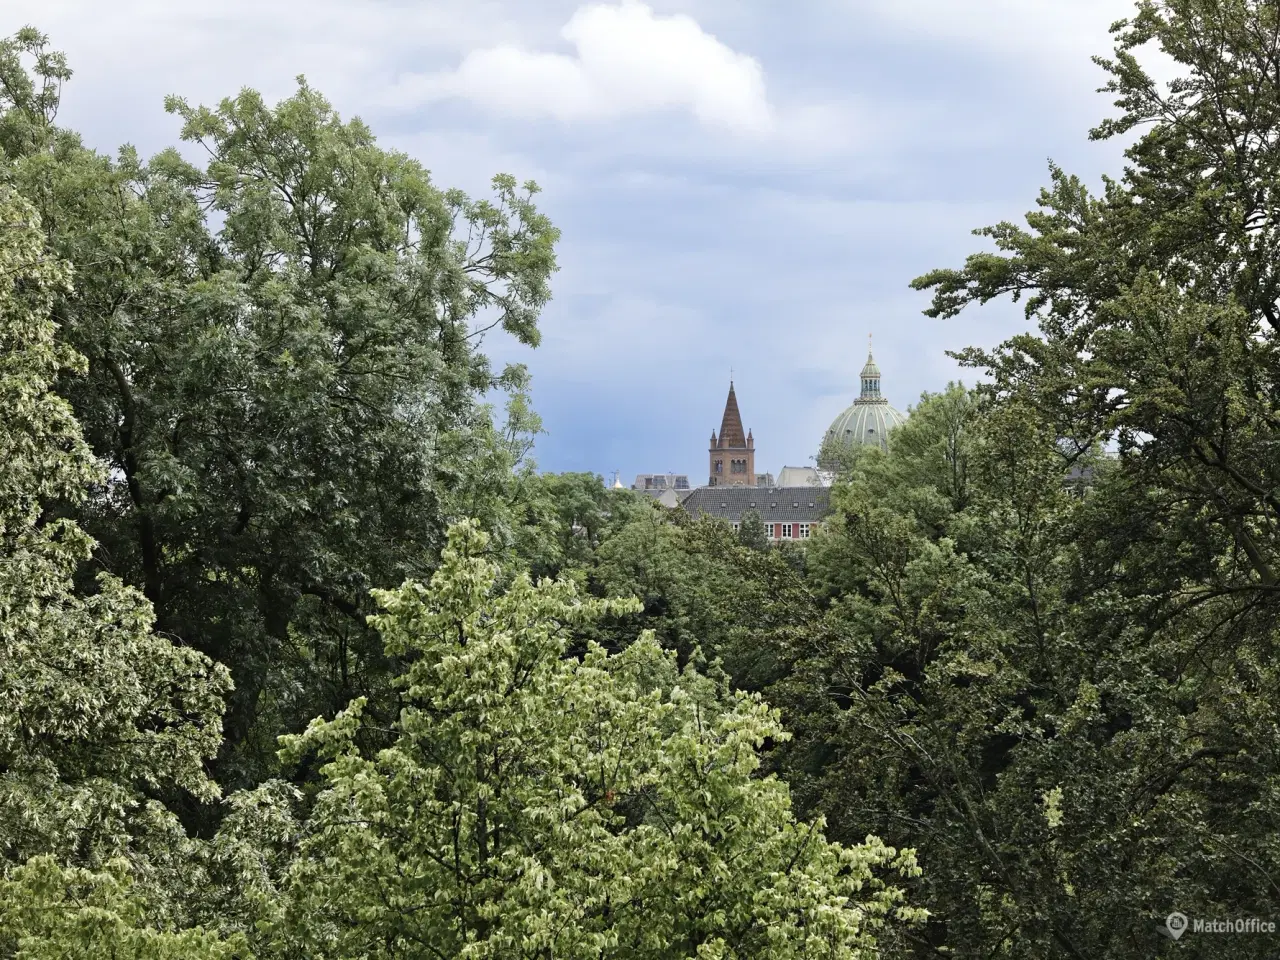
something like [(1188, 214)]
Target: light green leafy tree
[(96, 711), (52, 913), (534, 804), (98, 715)]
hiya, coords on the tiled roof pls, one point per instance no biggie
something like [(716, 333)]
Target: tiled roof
[(731, 432), (775, 505)]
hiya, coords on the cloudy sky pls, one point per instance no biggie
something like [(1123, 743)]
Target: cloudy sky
[(741, 184)]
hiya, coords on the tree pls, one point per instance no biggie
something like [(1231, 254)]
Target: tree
[(1158, 300), (999, 683), (540, 805), (751, 532), (53, 913), (284, 376), (97, 712), (563, 519), (1065, 696)]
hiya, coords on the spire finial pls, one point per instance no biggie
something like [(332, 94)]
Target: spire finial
[(731, 374)]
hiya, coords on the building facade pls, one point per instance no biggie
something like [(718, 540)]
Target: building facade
[(658, 482), (788, 513), (804, 477), (795, 506)]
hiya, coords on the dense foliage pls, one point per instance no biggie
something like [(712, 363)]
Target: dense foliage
[(283, 376), (300, 656)]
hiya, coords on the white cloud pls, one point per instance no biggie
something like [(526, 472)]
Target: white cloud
[(628, 60)]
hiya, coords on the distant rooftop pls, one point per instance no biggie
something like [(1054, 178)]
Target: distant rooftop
[(658, 482), (804, 477), (773, 504)]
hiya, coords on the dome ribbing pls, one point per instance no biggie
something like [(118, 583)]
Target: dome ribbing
[(870, 418)]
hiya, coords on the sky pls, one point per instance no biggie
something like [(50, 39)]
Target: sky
[(741, 185)]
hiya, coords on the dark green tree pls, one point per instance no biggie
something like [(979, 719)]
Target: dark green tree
[(284, 375), (1064, 698), (561, 520), (1157, 299), (751, 532)]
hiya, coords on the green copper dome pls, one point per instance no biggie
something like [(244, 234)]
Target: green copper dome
[(870, 418)]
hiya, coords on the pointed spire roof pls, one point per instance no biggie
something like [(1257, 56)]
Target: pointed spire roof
[(731, 433)]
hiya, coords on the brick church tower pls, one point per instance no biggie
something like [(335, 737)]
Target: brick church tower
[(732, 456)]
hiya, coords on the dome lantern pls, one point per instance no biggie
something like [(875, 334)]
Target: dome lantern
[(870, 380), (870, 418)]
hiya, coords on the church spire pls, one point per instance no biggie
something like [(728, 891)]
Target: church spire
[(731, 434), (732, 457)]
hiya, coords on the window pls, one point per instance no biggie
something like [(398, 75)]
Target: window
[(737, 466), (719, 466), (804, 531), (786, 531)]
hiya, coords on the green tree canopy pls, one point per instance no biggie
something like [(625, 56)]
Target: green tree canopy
[(284, 375), (1157, 300), (536, 805), (1062, 697), (97, 712)]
